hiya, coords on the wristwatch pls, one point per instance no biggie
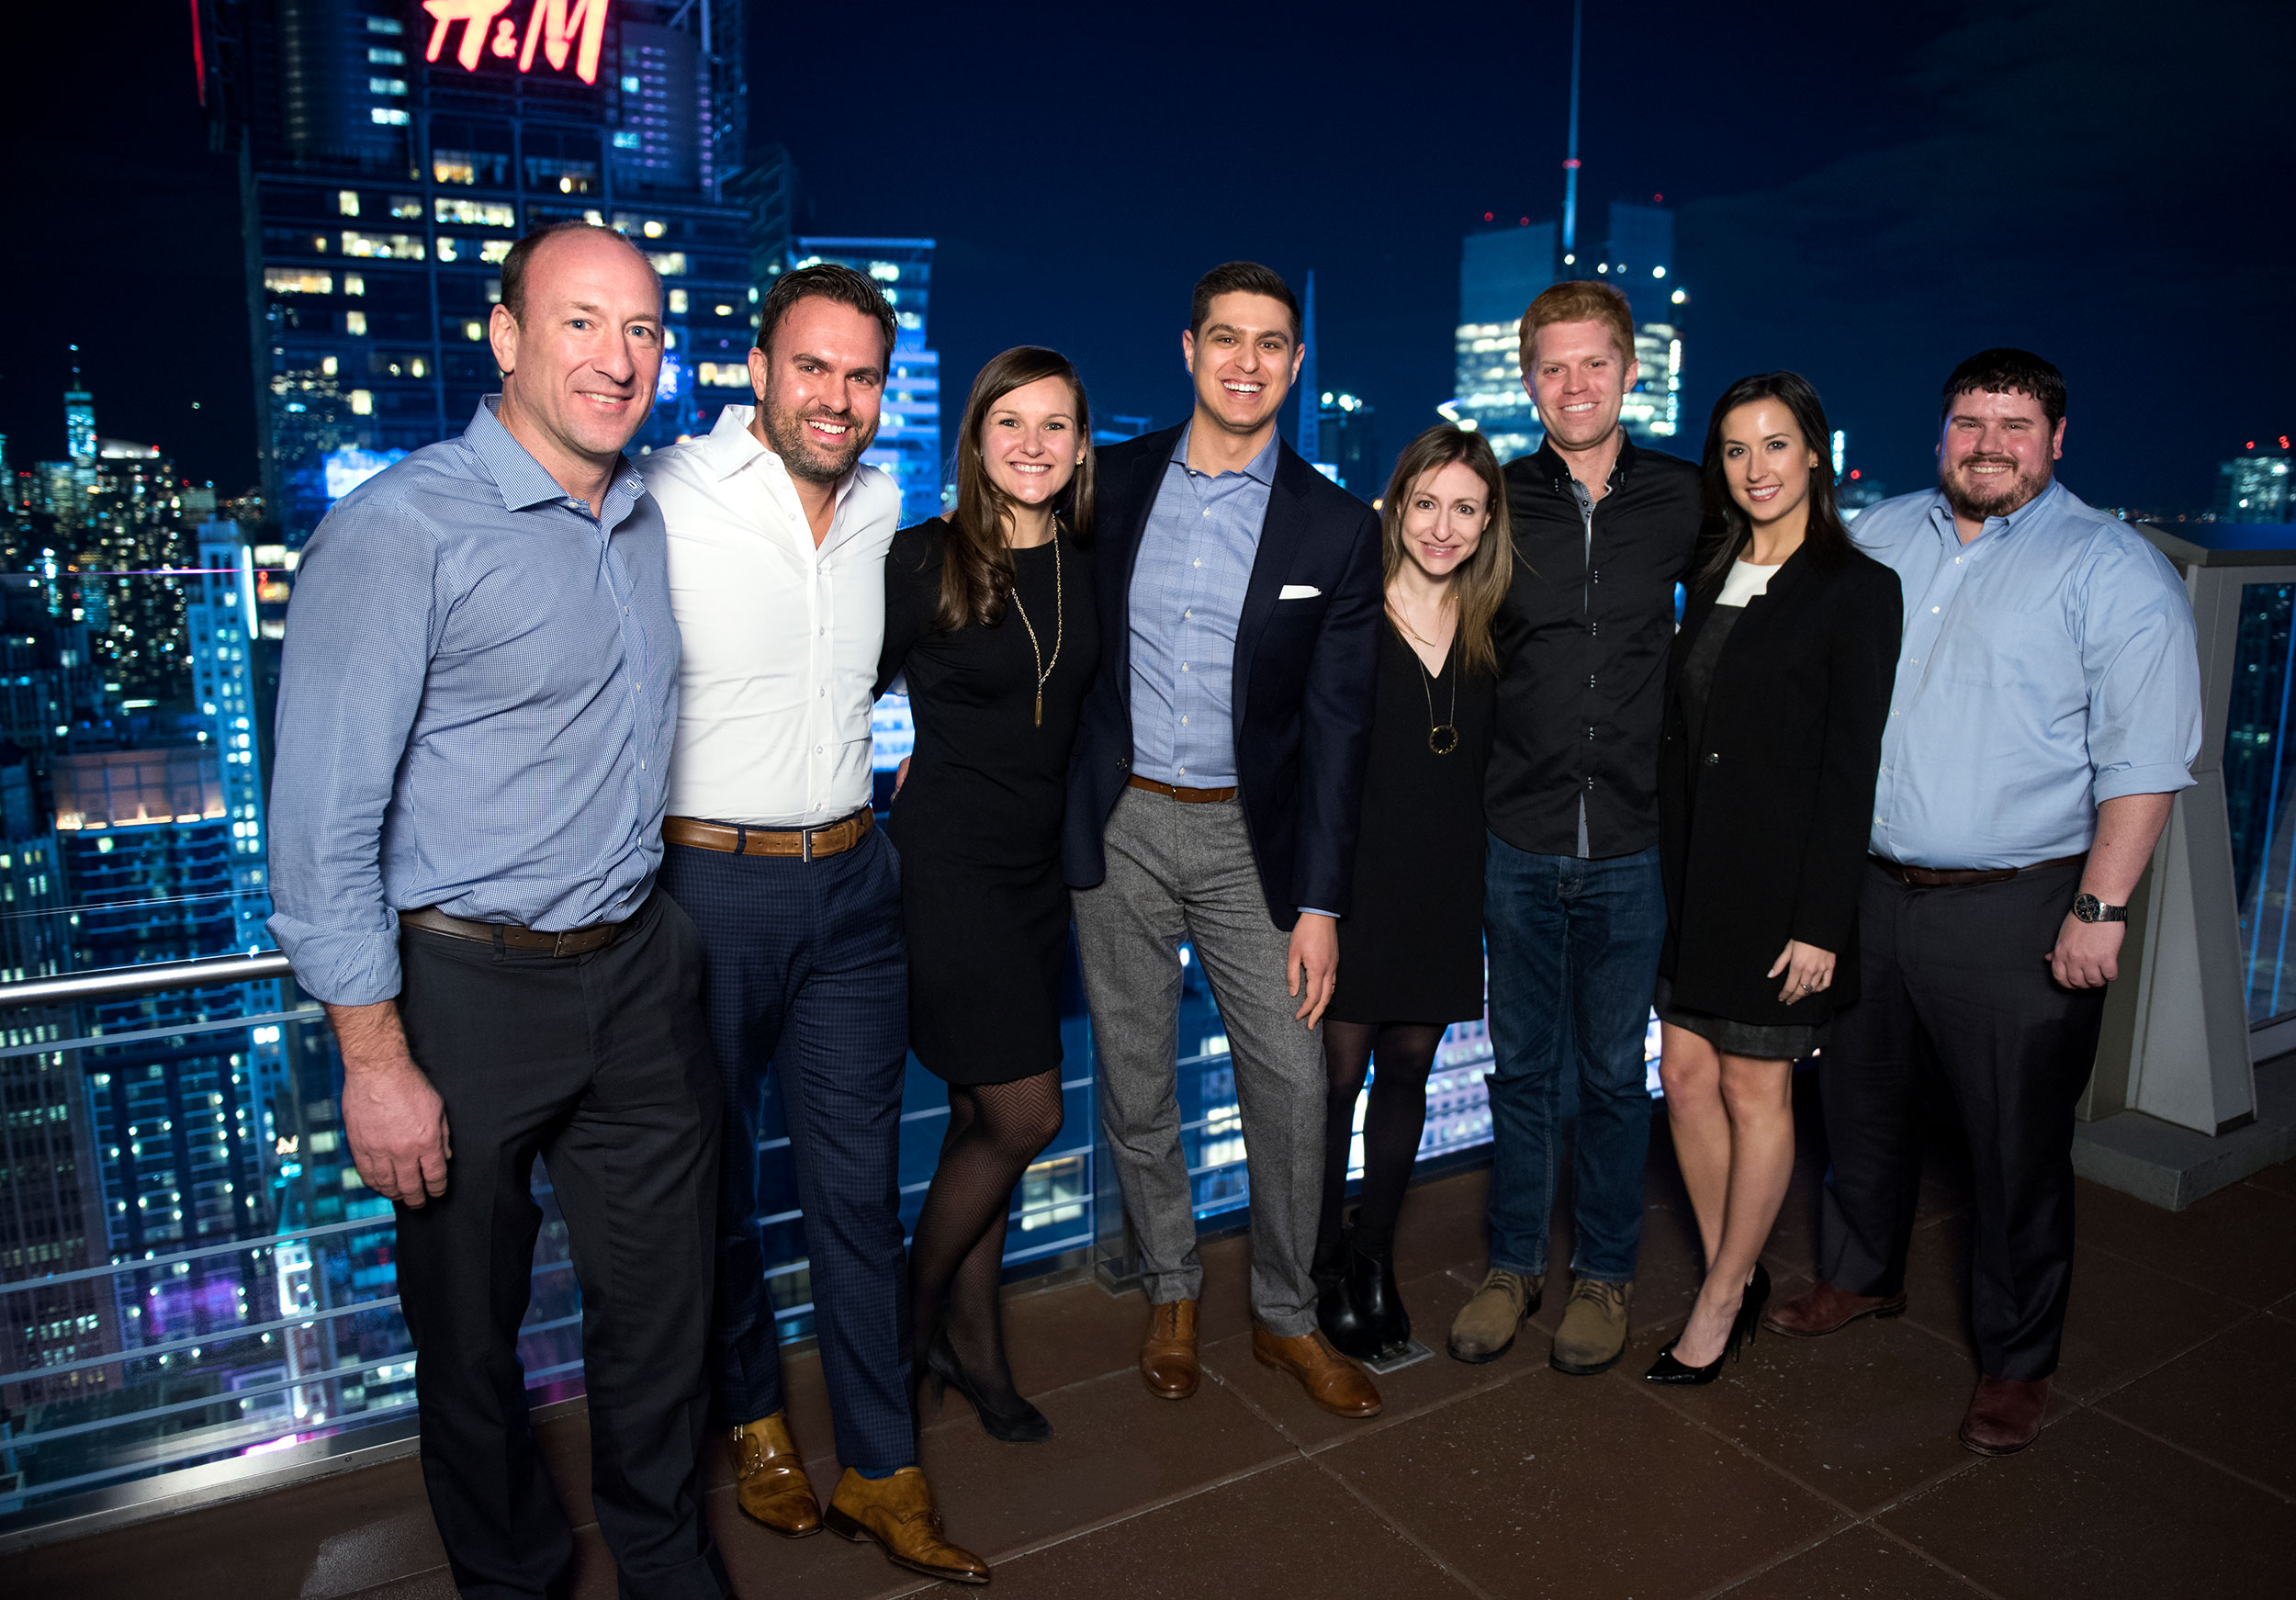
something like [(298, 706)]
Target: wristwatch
[(2088, 908)]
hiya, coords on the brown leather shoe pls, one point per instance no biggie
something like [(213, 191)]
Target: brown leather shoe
[(1823, 1309), (897, 1512), (1168, 1355), (769, 1481), (2004, 1416), (1332, 1380)]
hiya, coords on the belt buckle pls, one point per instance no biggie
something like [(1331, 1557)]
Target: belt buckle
[(557, 944), (804, 845)]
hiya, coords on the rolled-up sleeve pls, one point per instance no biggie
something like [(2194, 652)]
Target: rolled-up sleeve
[(2140, 655), (361, 628)]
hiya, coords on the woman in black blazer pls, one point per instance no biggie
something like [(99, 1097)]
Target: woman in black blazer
[(1777, 687)]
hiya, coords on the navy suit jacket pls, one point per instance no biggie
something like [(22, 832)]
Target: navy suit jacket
[(1304, 671)]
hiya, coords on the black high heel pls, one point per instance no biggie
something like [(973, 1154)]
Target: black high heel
[(1021, 1425), (1337, 1310), (1667, 1369), (1379, 1302)]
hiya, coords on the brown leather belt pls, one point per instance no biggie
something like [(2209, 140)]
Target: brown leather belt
[(804, 843), (1185, 796), (573, 941), (1962, 877)]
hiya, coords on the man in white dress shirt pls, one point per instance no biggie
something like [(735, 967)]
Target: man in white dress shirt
[(777, 544)]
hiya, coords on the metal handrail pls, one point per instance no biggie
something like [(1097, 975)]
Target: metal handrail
[(206, 973)]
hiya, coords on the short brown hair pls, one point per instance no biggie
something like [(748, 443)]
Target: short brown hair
[(522, 255), (1241, 278), (1582, 300), (826, 280)]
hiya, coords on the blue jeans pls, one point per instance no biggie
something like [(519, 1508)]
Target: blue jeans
[(1573, 946)]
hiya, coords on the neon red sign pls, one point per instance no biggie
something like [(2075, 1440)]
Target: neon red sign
[(562, 30)]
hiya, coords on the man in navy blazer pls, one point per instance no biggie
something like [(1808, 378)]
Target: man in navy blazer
[(1212, 798)]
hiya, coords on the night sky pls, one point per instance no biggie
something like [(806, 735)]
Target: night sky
[(1866, 192)]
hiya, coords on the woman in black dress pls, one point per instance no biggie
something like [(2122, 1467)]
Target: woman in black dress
[(1777, 687), (989, 613), (1411, 949)]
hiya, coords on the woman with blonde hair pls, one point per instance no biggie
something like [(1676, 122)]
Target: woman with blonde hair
[(1411, 949), (989, 613)]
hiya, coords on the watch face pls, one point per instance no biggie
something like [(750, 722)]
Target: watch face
[(2087, 907)]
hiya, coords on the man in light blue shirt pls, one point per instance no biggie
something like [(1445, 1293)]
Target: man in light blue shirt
[(476, 704), (2046, 710)]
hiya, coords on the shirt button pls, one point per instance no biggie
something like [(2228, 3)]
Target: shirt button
[(1208, 511), (1182, 772), (1183, 666), (1713, 760), (1933, 610), (1196, 563), (1184, 722), (1188, 614)]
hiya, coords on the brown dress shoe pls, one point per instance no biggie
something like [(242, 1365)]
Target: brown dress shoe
[(1332, 1380), (2004, 1416), (769, 1481), (1823, 1309), (1168, 1355), (897, 1512)]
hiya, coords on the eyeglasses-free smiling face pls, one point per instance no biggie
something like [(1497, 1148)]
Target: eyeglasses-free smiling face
[(1578, 377), (1243, 360), (1766, 461), (579, 361), (820, 388), (1445, 518), (1030, 443), (1997, 452)]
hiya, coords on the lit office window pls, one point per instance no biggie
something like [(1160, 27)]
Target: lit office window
[(385, 246), (474, 213), (669, 262), (678, 302), (290, 280), (362, 402), (347, 202)]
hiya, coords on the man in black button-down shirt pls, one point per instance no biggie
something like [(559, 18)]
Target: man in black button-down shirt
[(1573, 910)]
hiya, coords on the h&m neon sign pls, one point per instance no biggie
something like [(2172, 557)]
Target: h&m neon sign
[(561, 29)]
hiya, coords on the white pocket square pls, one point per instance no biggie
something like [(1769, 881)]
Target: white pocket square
[(1300, 592)]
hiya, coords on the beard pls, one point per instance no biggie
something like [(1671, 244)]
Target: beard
[(804, 452), (2017, 488)]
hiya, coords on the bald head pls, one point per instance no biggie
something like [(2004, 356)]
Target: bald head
[(554, 240)]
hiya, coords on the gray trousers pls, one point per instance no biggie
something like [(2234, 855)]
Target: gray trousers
[(1180, 872)]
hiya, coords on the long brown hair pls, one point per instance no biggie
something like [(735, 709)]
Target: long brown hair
[(976, 563), (1480, 582), (1826, 539)]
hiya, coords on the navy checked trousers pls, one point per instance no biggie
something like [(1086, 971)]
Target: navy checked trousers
[(808, 975)]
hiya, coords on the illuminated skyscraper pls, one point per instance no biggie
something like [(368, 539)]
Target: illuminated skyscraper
[(79, 420), (398, 148), (2256, 487), (909, 430), (1638, 260), (1502, 271)]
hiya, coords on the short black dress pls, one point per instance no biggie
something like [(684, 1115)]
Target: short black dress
[(1411, 947), (978, 819)]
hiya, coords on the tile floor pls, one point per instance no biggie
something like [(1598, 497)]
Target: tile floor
[(1818, 1468)]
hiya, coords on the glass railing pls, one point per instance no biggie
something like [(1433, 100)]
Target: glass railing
[(2260, 794)]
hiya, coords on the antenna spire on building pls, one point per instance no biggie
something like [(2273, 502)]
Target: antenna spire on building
[(1310, 440), (1571, 161)]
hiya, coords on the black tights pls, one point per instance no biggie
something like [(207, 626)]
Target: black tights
[(957, 1255), (1405, 1054)]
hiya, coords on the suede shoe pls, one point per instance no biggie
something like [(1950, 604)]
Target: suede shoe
[(1486, 1325), (897, 1512), (2004, 1415), (1332, 1380), (769, 1481), (1593, 1332), (1168, 1355), (1822, 1309)]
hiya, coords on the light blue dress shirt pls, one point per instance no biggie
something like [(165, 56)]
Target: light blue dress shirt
[(476, 704), (2048, 665), (1188, 582)]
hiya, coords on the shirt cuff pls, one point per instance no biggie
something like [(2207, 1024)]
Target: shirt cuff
[(339, 968), (2159, 778), (1318, 911)]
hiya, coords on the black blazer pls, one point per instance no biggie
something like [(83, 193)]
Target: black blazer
[(1772, 844), (1304, 670)]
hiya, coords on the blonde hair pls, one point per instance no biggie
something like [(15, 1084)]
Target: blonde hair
[(1480, 583)]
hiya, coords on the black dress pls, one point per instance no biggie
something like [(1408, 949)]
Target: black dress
[(978, 819), (1411, 947)]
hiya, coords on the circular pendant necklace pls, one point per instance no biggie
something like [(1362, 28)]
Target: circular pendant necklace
[(1443, 737), (1043, 667)]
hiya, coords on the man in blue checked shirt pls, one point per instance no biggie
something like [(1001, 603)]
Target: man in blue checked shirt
[(476, 711), (2047, 709)]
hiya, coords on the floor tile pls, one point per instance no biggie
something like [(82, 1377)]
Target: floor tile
[(1433, 1302), (437, 1583), (2125, 1320), (2233, 1401), (1446, 1223), (1855, 1564), (1531, 1477), (1276, 1532), (1058, 1336), (2240, 1242), (2279, 1179), (2098, 1510), (1862, 1416)]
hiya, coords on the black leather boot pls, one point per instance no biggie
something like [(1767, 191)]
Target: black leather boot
[(1377, 1302), (1337, 1311)]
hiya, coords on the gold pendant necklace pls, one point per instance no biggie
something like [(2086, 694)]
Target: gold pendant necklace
[(1043, 667), (1443, 737)]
